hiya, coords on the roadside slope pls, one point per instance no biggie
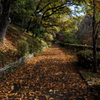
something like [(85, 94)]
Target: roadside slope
[(9, 48)]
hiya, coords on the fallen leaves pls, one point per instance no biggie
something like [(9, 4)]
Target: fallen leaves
[(49, 76)]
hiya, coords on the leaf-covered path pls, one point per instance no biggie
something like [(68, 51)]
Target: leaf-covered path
[(49, 76)]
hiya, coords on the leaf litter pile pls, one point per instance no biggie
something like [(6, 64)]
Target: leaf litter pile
[(49, 76)]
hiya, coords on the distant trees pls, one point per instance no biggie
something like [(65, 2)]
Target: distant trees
[(69, 29), (84, 33)]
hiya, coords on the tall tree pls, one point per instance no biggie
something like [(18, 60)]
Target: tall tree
[(93, 10), (95, 35), (5, 4)]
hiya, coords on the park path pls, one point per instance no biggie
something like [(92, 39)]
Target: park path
[(49, 76)]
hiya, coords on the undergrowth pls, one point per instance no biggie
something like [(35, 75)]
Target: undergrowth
[(20, 44)]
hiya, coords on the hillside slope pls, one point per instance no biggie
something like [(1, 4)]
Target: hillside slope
[(8, 48)]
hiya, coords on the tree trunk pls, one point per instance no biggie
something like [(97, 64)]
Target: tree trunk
[(28, 26), (4, 18), (94, 38)]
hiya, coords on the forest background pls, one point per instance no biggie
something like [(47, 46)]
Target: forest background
[(33, 24)]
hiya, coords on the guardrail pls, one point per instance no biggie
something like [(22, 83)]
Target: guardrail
[(78, 47), (17, 63)]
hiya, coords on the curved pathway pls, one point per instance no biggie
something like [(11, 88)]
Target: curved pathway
[(49, 76)]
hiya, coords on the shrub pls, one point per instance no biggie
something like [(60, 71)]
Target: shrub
[(48, 37), (43, 43), (71, 40), (85, 58), (49, 43), (35, 45), (22, 47)]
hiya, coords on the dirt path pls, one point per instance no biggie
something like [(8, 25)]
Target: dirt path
[(50, 76)]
